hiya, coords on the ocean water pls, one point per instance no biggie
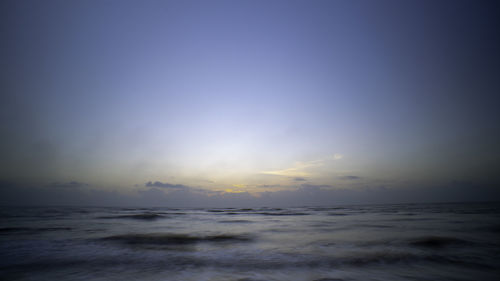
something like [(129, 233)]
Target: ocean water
[(369, 242)]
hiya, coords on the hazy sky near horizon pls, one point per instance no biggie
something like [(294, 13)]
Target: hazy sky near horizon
[(249, 96)]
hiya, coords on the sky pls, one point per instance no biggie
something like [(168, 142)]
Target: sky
[(249, 102)]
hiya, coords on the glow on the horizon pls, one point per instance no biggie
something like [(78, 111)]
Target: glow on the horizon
[(229, 190), (249, 96)]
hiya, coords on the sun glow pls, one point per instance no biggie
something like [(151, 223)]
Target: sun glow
[(229, 190)]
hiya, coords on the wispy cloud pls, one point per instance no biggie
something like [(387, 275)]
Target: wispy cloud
[(299, 179), (337, 156), (316, 186), (165, 185), (350, 178), (290, 172), (269, 186), (70, 184), (299, 170)]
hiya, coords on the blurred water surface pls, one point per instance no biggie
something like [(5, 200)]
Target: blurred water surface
[(369, 242)]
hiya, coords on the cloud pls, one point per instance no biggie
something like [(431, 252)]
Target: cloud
[(350, 178), (337, 156), (298, 170), (315, 186), (305, 195), (71, 184), (268, 185), (164, 185), (299, 179), (290, 172)]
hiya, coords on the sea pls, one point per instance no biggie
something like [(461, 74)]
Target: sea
[(459, 241)]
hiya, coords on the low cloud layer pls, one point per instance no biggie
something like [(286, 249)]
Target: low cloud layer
[(71, 184), (164, 185), (350, 178), (184, 196)]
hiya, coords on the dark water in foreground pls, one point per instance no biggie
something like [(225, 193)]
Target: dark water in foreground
[(379, 242)]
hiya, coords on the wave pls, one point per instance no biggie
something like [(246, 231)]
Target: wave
[(262, 211), (174, 239), (143, 216), (236, 221), (143, 260), (246, 210), (282, 214), (321, 209), (216, 211), (373, 226), (493, 228), (9, 230), (437, 242), (409, 219), (337, 214)]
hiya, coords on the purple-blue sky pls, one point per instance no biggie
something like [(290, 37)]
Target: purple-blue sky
[(250, 98)]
